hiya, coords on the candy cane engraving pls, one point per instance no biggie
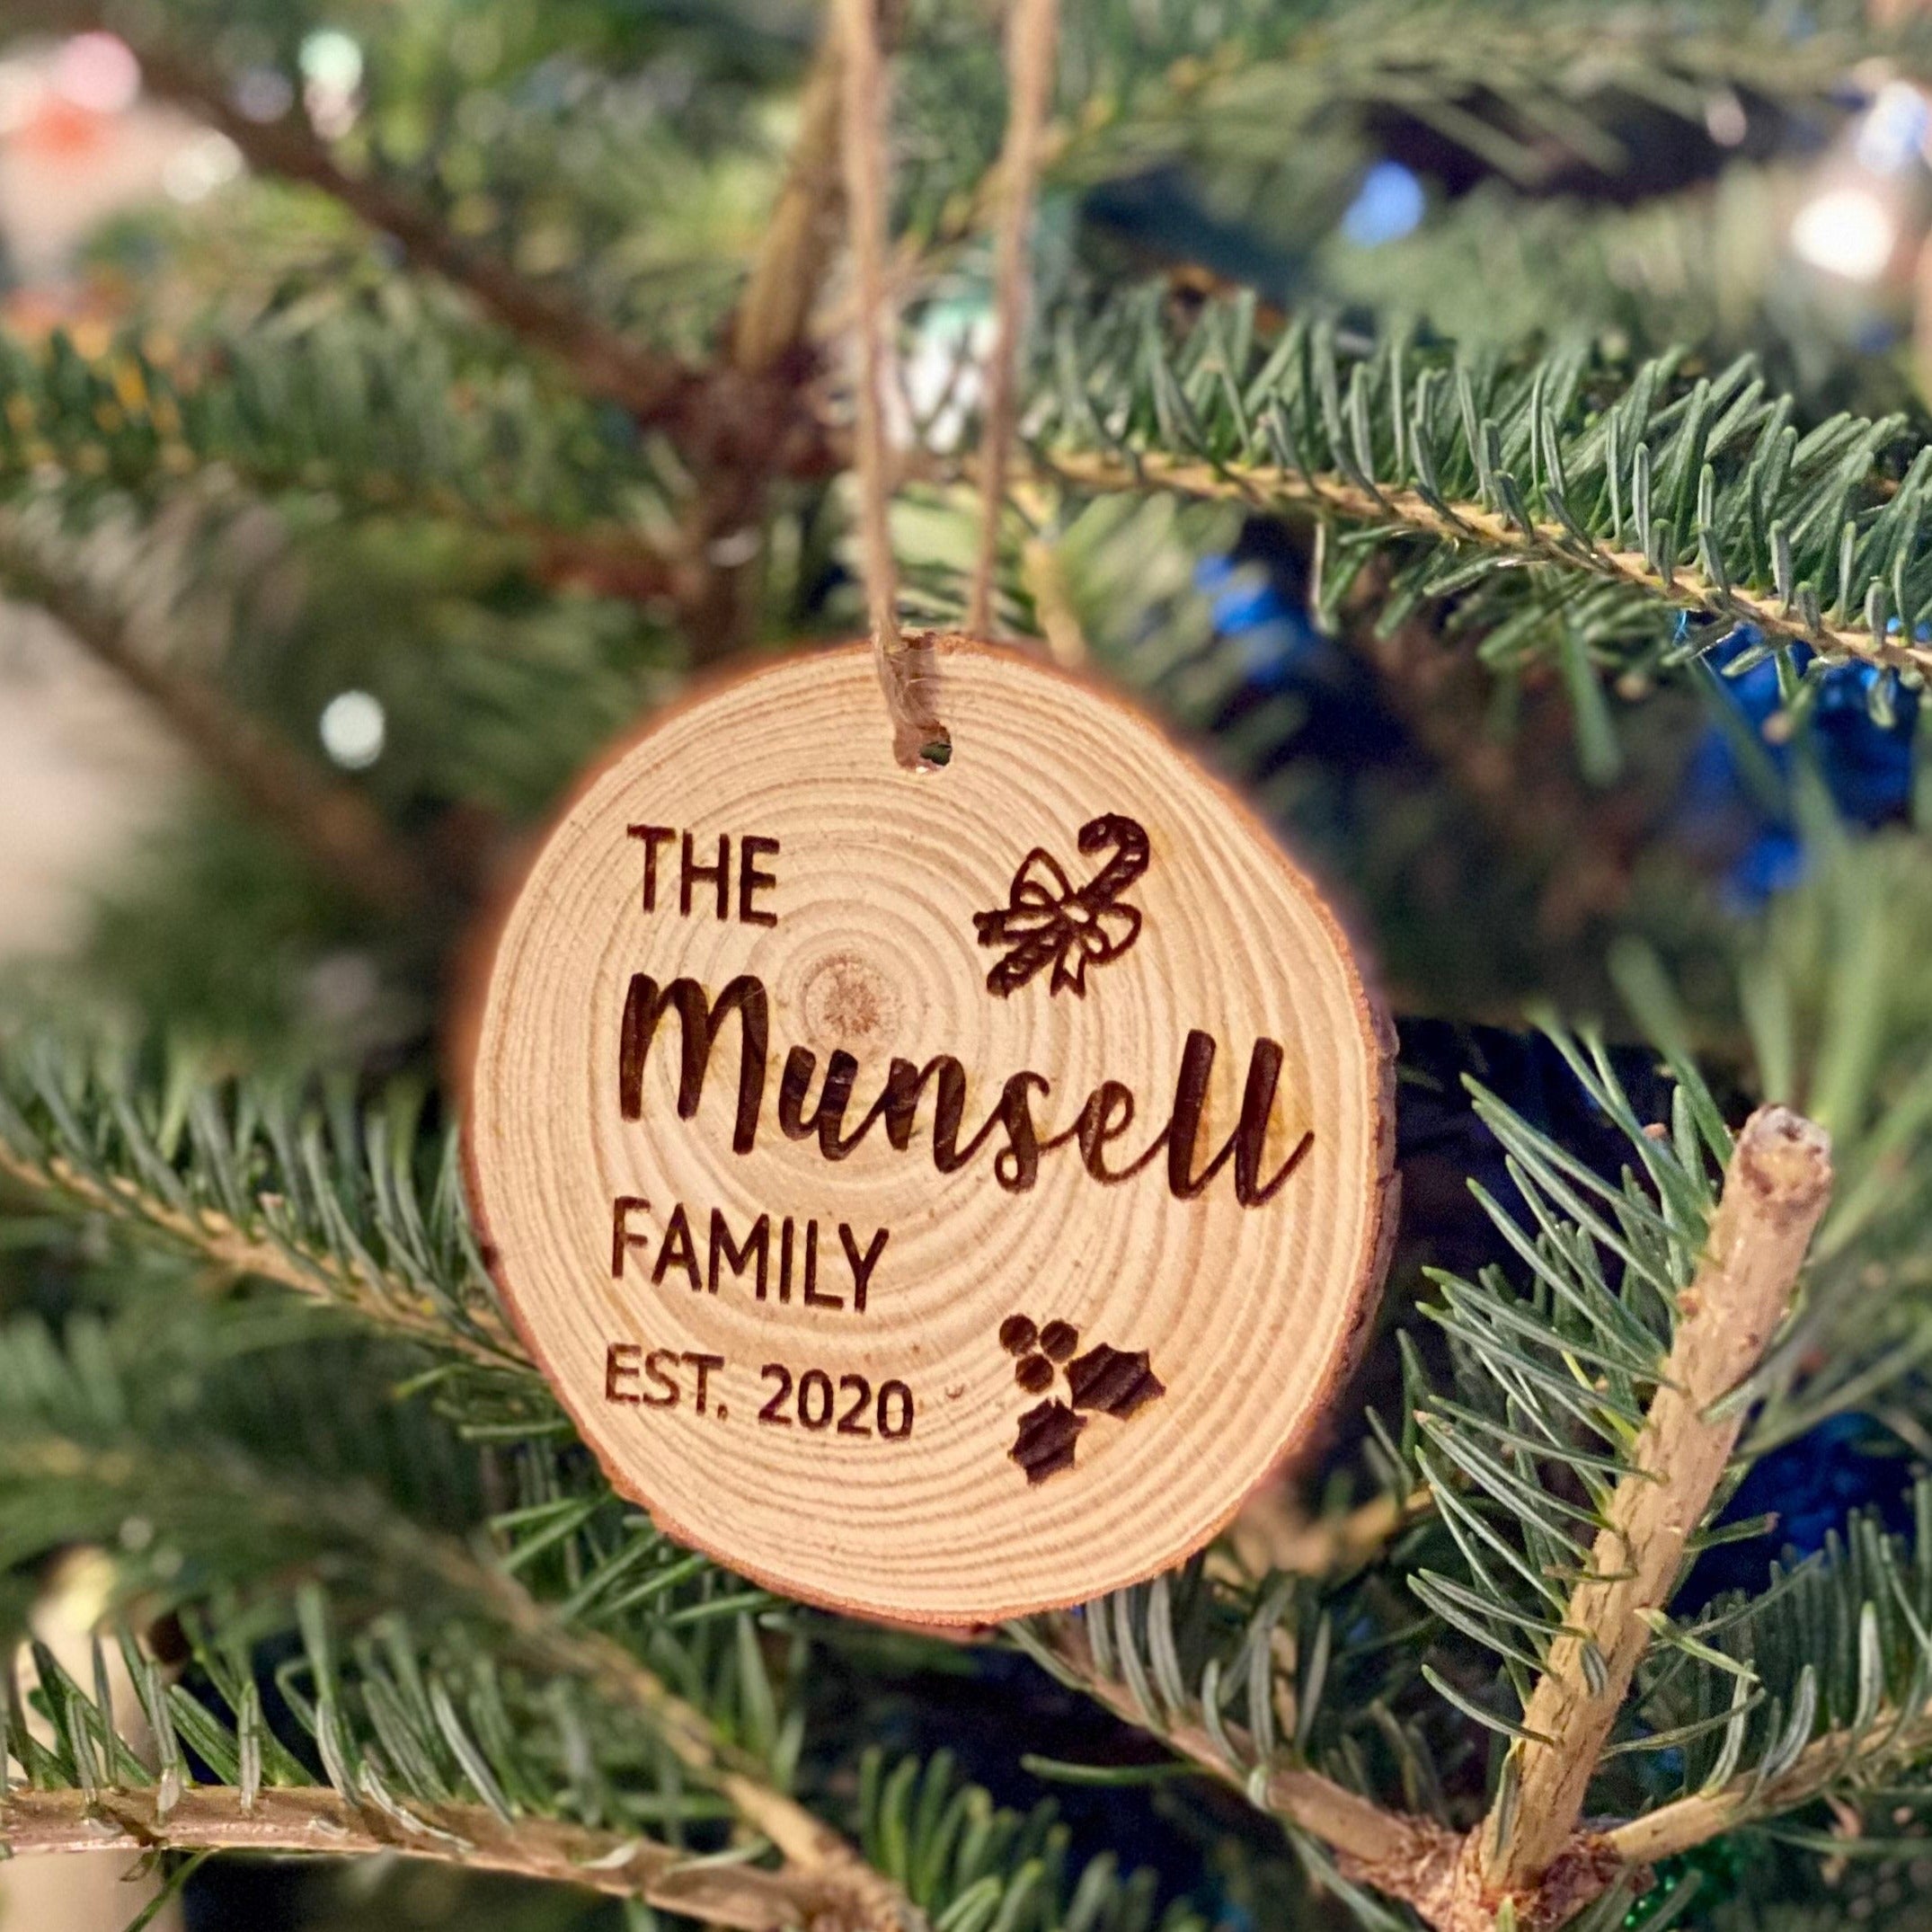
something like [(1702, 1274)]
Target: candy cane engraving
[(1050, 921)]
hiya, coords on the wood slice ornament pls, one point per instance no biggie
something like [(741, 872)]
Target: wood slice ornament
[(937, 1195)]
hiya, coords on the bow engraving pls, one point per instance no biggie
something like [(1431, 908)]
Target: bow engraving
[(1050, 921)]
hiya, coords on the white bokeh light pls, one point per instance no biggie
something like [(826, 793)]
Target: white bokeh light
[(1846, 231), (353, 728), (332, 71), (330, 58), (197, 168)]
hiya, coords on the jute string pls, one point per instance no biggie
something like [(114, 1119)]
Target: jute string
[(905, 669), (1031, 33), (907, 674)]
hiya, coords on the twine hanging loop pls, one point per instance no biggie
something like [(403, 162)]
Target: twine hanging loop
[(907, 670), (1032, 32)]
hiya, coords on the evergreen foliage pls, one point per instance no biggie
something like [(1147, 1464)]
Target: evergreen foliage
[(1459, 552)]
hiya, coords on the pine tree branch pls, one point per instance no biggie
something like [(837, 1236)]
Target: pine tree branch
[(334, 825), (805, 1840), (383, 430), (388, 1302), (1397, 1852), (1539, 96), (258, 1187), (1836, 1758), (418, 1565), (402, 421), (318, 1820), (719, 414), (1534, 1863), (1776, 1187), (1467, 523)]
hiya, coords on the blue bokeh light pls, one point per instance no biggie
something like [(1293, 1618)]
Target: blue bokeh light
[(1388, 205)]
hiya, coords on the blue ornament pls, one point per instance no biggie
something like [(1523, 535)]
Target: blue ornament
[(1811, 1486), (1727, 808)]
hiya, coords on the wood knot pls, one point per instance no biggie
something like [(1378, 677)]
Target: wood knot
[(1442, 1876), (847, 1001)]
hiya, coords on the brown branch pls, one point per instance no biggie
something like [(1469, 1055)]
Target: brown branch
[(648, 385), (802, 237), (333, 823), (771, 349), (318, 1820), (1776, 1187)]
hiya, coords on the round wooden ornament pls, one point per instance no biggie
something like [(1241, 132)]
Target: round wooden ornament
[(938, 1195)]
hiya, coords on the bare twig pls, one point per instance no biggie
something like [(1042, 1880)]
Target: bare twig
[(333, 822), (1775, 1190), (318, 1820)]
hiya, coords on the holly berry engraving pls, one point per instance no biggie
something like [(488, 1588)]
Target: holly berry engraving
[(1104, 1380)]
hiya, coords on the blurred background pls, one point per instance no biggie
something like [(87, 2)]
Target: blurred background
[(84, 767)]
